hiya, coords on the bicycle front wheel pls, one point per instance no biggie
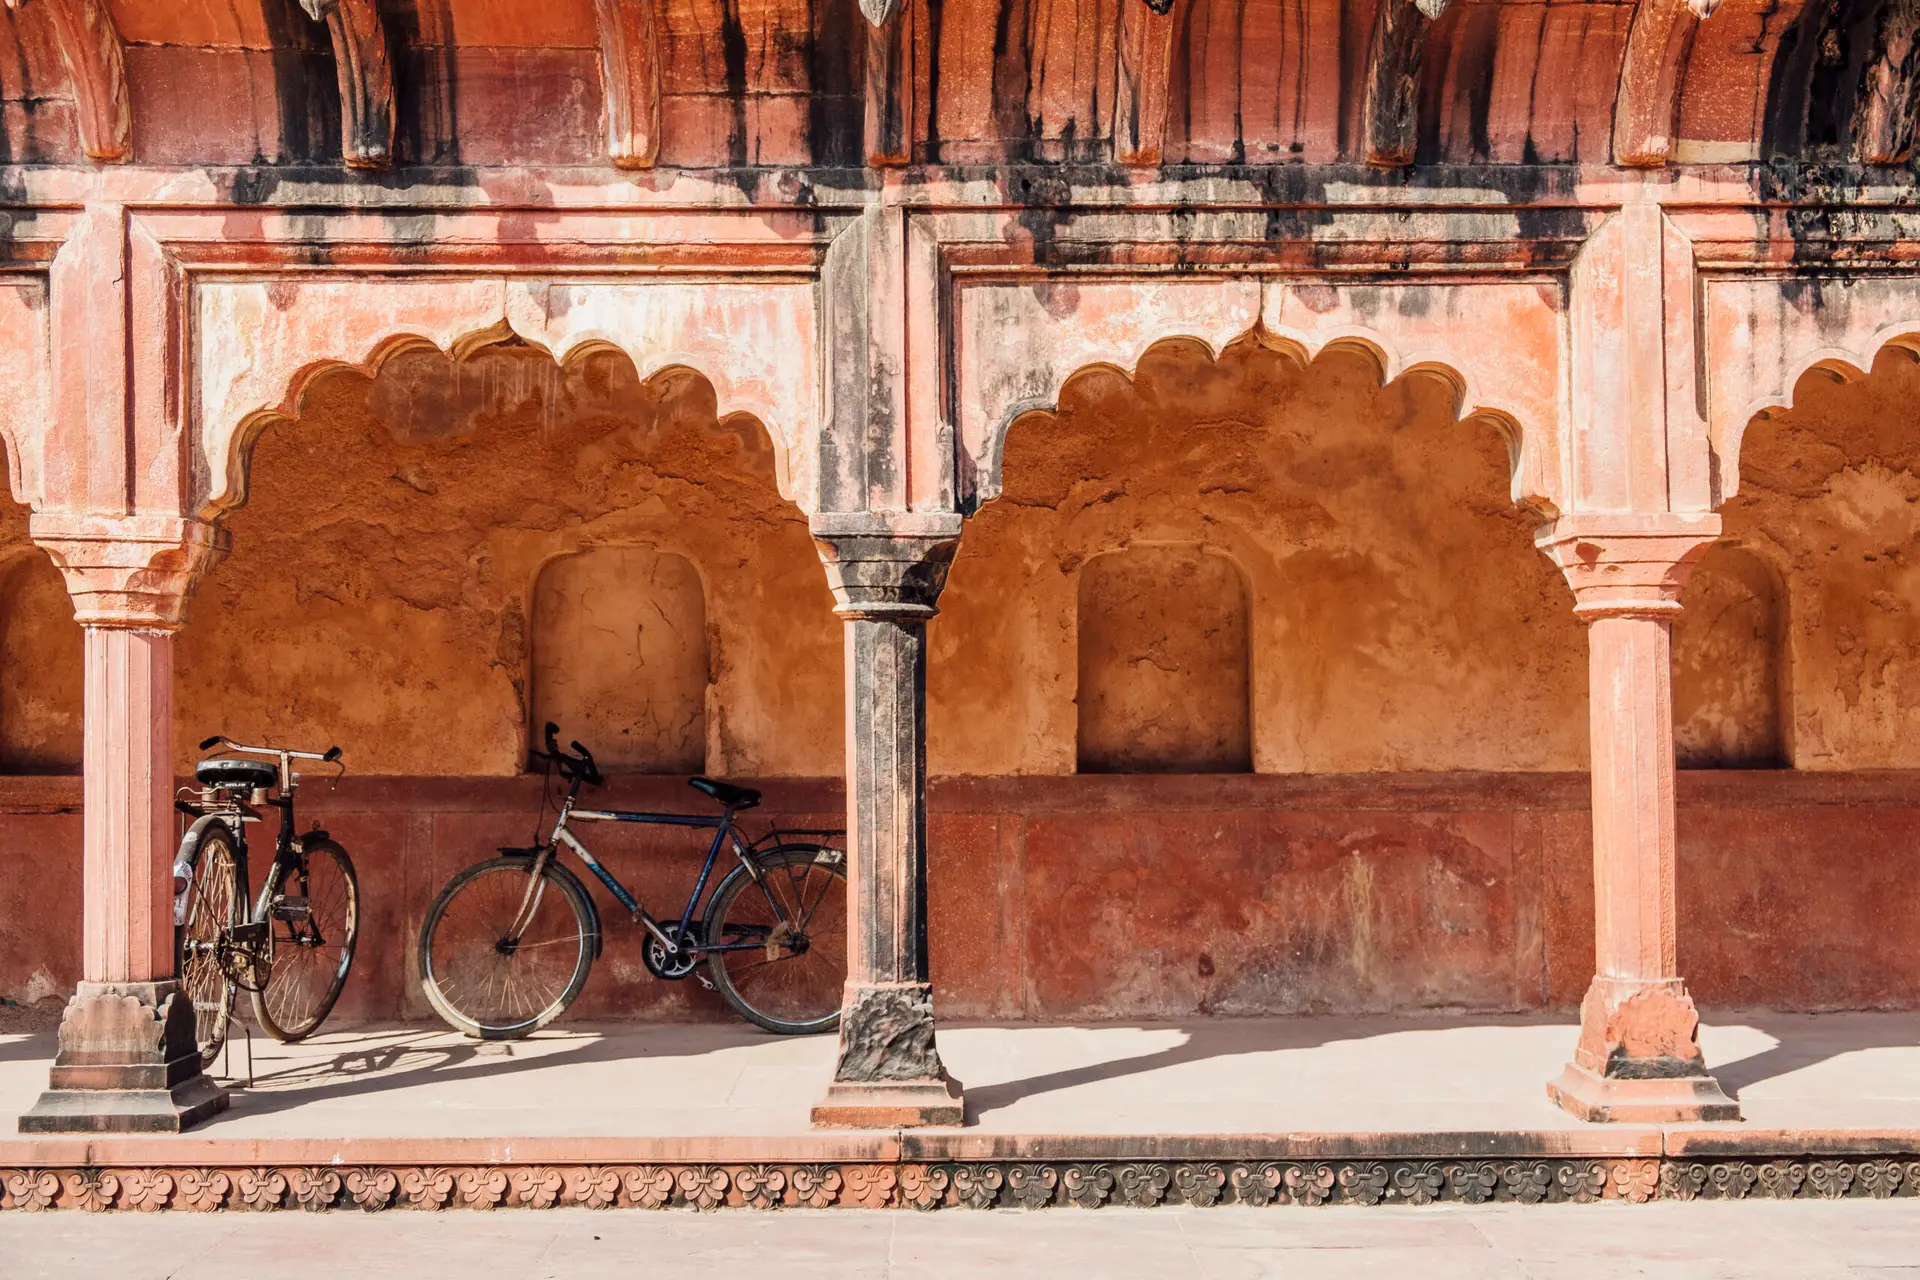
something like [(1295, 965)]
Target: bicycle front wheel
[(311, 907), (778, 934), (203, 936), (487, 982)]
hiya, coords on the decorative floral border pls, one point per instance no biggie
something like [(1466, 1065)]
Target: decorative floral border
[(979, 1184)]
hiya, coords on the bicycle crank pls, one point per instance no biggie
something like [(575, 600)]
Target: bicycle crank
[(671, 966)]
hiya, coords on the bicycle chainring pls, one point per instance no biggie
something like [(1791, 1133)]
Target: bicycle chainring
[(677, 965)]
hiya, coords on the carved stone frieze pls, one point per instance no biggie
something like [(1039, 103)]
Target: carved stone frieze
[(967, 1184)]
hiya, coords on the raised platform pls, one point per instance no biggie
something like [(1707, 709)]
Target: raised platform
[(1308, 1110)]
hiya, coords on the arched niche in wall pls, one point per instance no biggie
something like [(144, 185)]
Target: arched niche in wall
[(620, 658), (1164, 663), (41, 670), (1829, 491), (1403, 606), (380, 591), (1728, 682)]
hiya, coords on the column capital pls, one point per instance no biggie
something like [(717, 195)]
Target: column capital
[(886, 564), (1628, 565), (129, 572)]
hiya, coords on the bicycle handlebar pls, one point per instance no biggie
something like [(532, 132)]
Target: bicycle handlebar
[(579, 765), (330, 756)]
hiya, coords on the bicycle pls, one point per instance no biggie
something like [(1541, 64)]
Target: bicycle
[(292, 948), (508, 944)]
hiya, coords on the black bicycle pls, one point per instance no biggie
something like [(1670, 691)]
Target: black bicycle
[(507, 945), (291, 948)]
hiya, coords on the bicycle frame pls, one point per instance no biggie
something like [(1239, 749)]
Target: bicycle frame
[(721, 826), (245, 813)]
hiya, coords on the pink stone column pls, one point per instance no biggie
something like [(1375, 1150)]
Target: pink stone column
[(128, 1060), (887, 570), (1638, 1058), (128, 806)]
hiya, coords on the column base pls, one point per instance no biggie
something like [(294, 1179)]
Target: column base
[(128, 1063), (1638, 1060), (890, 1104), (1612, 1100), (889, 1075)]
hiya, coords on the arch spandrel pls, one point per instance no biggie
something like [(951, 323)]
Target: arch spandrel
[(1764, 335), (1498, 346), (259, 344)]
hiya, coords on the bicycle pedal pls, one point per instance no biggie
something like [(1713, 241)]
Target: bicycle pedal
[(287, 907), (249, 935)]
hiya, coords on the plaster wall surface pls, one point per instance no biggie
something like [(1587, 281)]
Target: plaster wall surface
[(620, 657), (1830, 502), (1163, 663), (382, 588), (1400, 617), (1157, 896), (40, 658), (1414, 682)]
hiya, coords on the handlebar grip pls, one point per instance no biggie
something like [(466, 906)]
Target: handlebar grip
[(212, 742), (586, 756), (332, 756)]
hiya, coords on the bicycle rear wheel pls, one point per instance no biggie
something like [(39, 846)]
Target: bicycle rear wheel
[(213, 907), (311, 907), (488, 984), (781, 939)]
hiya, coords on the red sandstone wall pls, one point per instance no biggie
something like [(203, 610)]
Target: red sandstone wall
[(1170, 897)]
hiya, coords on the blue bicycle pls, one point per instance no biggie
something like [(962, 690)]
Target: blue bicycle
[(508, 944)]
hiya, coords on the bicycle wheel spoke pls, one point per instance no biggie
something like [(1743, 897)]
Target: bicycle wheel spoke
[(476, 970), (792, 981)]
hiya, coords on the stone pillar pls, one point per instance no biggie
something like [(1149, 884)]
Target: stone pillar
[(887, 570), (128, 1060), (1638, 1058)]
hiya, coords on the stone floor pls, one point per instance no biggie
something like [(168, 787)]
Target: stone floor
[(1271, 1076), (1752, 1240)]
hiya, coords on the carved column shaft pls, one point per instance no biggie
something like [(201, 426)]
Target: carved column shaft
[(1638, 1057), (128, 1059), (887, 572)]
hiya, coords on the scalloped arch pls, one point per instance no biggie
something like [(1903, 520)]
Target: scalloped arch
[(260, 341), (1847, 362), (230, 493), (1527, 486)]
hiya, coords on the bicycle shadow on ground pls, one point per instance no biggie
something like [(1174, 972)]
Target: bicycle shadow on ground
[(417, 1056)]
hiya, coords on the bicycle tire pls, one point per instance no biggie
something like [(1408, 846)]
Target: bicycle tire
[(795, 1002), (279, 1015), (214, 905), (493, 911)]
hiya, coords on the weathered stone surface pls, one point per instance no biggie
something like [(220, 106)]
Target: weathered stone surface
[(127, 1063), (886, 1034)]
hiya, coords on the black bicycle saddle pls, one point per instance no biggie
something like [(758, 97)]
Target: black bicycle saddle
[(726, 793), (237, 775)]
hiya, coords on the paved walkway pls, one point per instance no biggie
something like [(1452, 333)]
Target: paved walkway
[(1751, 1240), (1282, 1075)]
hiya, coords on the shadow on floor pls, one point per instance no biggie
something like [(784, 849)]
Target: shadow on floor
[(410, 1056), (1207, 1039), (1807, 1040)]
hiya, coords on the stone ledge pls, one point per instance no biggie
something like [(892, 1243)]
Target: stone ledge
[(1037, 794), (926, 1185)]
